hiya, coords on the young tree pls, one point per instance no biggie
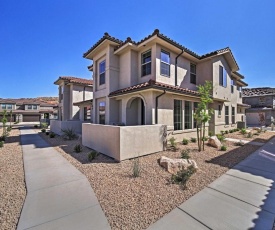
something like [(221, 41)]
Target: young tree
[(10, 118), (203, 113), (4, 121)]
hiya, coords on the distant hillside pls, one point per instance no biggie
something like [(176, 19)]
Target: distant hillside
[(50, 100)]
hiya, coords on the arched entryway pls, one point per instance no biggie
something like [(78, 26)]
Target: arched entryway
[(135, 111)]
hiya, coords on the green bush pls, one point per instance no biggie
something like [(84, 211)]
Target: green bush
[(136, 168), (92, 155), (52, 135), (43, 130), (231, 131), (185, 141), (220, 137), (172, 141), (193, 139), (68, 134), (44, 125), (35, 126), (183, 176), (185, 154), (210, 133), (237, 129), (239, 143), (249, 135), (9, 129), (223, 148), (243, 131), (78, 148), (205, 138), (1, 144), (226, 132), (222, 132), (47, 132), (3, 138)]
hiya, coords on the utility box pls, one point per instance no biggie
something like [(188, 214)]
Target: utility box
[(241, 125)]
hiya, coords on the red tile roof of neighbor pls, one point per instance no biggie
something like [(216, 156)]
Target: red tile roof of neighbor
[(252, 92), (155, 85), (76, 80)]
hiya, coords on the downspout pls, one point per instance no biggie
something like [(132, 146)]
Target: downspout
[(84, 93), (157, 104), (176, 68)]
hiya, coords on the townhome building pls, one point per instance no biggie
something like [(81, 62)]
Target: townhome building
[(155, 81)]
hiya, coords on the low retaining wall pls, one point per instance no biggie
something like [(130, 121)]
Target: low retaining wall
[(123, 142), (57, 126)]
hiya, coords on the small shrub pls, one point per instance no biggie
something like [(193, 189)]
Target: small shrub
[(52, 135), (205, 138), (3, 138), (231, 131), (226, 132), (69, 134), (173, 143), (210, 133), (35, 126), (237, 129), (240, 143), (259, 131), (1, 144), (183, 176), (243, 131), (185, 141), (44, 125), (92, 155), (185, 154), (220, 137), (222, 132), (136, 168), (9, 129), (43, 130), (78, 148), (223, 148), (47, 132), (249, 135), (193, 139)]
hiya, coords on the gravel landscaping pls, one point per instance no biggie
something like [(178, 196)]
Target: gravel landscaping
[(12, 181), (262, 137), (135, 203)]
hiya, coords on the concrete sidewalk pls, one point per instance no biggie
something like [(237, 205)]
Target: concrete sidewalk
[(58, 195), (242, 198), (244, 141)]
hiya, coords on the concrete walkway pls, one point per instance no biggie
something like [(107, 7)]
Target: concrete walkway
[(58, 195), (242, 198), (245, 141)]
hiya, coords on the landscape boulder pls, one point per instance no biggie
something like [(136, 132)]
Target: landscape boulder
[(175, 165), (214, 142)]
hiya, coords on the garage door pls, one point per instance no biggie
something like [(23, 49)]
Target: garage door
[(31, 118), (252, 118)]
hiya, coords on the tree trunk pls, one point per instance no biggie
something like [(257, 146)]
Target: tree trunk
[(203, 136), (198, 136)]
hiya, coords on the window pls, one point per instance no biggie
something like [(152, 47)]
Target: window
[(177, 115), (193, 78), (232, 86), (102, 67), (187, 115), (34, 107), (195, 106), (227, 115), (164, 63), (222, 76), (261, 100), (219, 110), (87, 113), (102, 113), (3, 106), (233, 115), (146, 63), (29, 106)]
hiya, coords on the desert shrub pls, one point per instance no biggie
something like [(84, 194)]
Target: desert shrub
[(223, 148), (249, 135), (78, 148), (185, 141), (1, 144), (9, 128), (92, 155), (183, 176), (3, 138), (259, 131), (222, 132), (69, 134), (173, 143), (210, 133), (226, 131), (52, 135), (43, 130), (47, 132), (220, 137), (193, 139), (239, 143), (136, 168), (44, 125), (35, 126), (243, 131), (231, 131), (185, 154), (205, 138)]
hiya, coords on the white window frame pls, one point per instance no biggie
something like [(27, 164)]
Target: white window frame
[(193, 73), (101, 73), (146, 63), (165, 63)]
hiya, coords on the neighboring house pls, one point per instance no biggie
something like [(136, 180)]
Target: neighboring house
[(154, 81), (28, 110), (261, 100), (75, 98)]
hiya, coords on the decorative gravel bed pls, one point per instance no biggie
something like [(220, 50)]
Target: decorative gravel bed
[(12, 181), (262, 137), (135, 203)]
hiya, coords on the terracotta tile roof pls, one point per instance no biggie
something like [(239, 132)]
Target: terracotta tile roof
[(252, 92), (155, 85), (243, 105), (76, 80), (105, 36)]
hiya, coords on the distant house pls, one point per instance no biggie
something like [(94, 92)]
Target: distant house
[(261, 100), (28, 110), (75, 98)]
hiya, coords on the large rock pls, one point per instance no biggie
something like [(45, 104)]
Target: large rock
[(175, 165), (214, 142)]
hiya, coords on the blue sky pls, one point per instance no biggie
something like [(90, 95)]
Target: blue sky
[(42, 40)]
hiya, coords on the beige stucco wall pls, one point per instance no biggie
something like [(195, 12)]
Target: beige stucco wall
[(57, 126), (123, 143)]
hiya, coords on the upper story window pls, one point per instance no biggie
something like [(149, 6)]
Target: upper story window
[(193, 76), (164, 63), (102, 68), (146, 63), (222, 76), (232, 86), (32, 107), (239, 88), (6, 106)]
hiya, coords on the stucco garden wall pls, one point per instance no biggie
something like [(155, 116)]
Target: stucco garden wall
[(123, 142), (56, 126)]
